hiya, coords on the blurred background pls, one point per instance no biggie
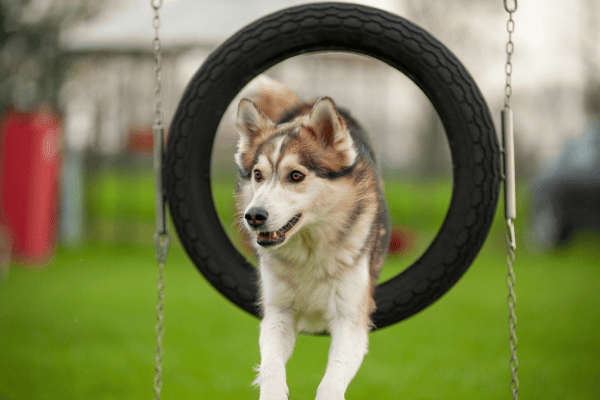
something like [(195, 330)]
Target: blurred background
[(77, 203)]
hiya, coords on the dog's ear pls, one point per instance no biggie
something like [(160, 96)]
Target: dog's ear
[(324, 121), (251, 120), (326, 125)]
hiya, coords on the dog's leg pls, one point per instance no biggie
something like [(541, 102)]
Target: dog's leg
[(277, 338), (349, 342), (349, 329)]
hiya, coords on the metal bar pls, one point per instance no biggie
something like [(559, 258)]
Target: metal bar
[(159, 133), (510, 203)]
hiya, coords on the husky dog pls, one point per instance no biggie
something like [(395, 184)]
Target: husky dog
[(310, 197)]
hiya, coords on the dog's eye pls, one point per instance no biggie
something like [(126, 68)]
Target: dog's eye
[(257, 176), (296, 176)]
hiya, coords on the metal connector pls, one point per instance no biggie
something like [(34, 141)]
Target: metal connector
[(508, 144), (161, 223)]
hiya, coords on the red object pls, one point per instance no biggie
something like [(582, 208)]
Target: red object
[(401, 241), (141, 141), (29, 170)]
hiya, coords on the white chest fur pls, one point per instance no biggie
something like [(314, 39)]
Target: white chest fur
[(316, 285)]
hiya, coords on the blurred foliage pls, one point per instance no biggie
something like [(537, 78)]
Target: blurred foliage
[(31, 66)]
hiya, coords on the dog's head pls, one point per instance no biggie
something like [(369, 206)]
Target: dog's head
[(285, 170)]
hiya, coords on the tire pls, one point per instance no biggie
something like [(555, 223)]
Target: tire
[(359, 29)]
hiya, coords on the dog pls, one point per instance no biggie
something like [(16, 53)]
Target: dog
[(310, 196)]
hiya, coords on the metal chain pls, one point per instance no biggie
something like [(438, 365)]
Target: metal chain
[(161, 242), (161, 238), (509, 196), (156, 5), (512, 300), (510, 27)]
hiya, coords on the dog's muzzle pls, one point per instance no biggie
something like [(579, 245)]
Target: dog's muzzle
[(267, 239)]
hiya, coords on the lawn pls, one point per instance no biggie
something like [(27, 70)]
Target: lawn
[(82, 327)]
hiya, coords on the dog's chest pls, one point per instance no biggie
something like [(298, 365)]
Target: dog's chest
[(316, 291), (314, 301), (306, 288)]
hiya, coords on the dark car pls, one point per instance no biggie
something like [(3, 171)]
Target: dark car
[(567, 198)]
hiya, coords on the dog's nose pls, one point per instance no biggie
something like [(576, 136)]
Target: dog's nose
[(256, 216)]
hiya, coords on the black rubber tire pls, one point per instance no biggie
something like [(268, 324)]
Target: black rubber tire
[(358, 29)]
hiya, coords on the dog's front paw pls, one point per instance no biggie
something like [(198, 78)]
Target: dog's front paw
[(274, 391), (273, 395), (329, 393)]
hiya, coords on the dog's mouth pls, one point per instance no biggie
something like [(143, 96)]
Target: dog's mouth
[(268, 239)]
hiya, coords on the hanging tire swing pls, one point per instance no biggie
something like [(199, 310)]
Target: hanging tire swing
[(357, 29)]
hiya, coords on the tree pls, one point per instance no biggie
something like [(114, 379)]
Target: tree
[(31, 66)]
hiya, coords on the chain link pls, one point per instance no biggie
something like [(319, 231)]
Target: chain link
[(161, 238), (510, 8)]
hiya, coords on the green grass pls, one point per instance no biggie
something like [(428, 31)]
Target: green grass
[(82, 327)]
